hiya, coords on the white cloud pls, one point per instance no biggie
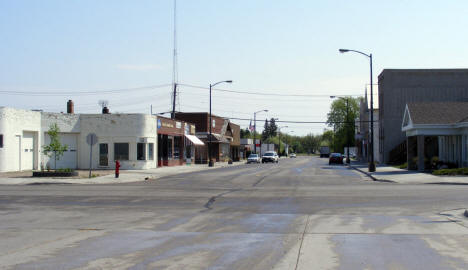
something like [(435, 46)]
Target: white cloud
[(140, 67)]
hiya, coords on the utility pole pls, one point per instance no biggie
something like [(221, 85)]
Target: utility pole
[(174, 63), (174, 101)]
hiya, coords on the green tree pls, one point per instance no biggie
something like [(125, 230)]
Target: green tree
[(55, 148), (342, 115), (273, 128), (266, 130)]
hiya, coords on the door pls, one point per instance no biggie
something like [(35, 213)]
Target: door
[(103, 154), (69, 158), (27, 153)]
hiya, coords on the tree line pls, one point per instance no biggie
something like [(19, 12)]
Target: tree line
[(340, 119)]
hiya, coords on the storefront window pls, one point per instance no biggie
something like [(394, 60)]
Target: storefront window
[(150, 151), (170, 139), (141, 151), (121, 151), (177, 147)]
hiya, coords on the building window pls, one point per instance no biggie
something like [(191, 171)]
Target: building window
[(170, 140), (121, 151), (1, 140), (103, 154), (150, 151), (141, 151), (177, 147)]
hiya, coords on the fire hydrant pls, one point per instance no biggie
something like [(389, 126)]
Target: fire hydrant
[(117, 167)]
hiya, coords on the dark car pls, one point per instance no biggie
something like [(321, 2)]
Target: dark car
[(335, 158)]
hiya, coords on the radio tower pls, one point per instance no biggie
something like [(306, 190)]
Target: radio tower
[(174, 64)]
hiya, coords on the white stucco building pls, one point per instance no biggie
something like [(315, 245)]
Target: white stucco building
[(130, 138)]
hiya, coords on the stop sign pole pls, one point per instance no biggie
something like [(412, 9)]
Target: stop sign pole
[(91, 140)]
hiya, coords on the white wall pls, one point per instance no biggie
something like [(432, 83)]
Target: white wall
[(69, 125), (14, 124), (109, 128), (118, 128)]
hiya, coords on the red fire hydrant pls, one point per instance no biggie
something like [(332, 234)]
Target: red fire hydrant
[(117, 167)]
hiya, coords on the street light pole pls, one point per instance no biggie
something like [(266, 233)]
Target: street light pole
[(210, 162), (255, 129), (371, 162), (279, 139), (347, 130)]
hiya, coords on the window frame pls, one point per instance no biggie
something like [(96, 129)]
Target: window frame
[(150, 151), (118, 155), (142, 147)]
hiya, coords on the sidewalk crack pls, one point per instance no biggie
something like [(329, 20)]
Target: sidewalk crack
[(302, 241)]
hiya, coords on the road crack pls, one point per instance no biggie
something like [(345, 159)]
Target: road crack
[(212, 200), (302, 241)]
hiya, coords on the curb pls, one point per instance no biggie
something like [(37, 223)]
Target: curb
[(370, 175)]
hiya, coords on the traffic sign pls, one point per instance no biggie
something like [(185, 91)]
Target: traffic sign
[(91, 139)]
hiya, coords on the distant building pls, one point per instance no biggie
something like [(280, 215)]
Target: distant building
[(398, 87), (225, 139), (363, 129)]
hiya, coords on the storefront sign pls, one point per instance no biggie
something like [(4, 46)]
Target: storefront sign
[(178, 125), (192, 129), (168, 125), (159, 123)]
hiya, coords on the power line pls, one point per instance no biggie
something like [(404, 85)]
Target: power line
[(78, 93), (297, 122), (261, 93)]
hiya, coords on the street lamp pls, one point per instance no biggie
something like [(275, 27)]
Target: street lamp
[(347, 124), (279, 140), (210, 162), (255, 129), (289, 146), (371, 162)]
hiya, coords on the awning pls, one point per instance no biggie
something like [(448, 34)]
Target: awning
[(194, 139)]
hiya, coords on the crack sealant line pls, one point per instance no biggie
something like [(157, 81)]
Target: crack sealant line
[(302, 241)]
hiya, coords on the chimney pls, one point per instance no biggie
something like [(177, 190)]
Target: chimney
[(70, 107), (105, 110)]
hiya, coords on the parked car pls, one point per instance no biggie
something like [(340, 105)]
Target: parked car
[(253, 158), (292, 155), (270, 156), (335, 158)]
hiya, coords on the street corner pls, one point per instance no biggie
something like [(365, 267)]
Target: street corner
[(459, 216)]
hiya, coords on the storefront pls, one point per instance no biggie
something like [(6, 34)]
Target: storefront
[(176, 142)]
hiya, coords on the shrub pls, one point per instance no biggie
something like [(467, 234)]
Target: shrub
[(456, 171), (403, 166)]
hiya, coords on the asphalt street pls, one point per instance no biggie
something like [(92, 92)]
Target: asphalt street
[(297, 214)]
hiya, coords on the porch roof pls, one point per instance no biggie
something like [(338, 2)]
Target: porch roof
[(435, 118)]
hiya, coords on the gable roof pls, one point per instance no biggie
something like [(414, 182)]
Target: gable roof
[(438, 112)]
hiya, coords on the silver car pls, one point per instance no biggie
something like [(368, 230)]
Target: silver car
[(270, 156), (253, 158)]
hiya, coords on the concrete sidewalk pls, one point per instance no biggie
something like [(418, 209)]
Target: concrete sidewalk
[(387, 173), (124, 177)]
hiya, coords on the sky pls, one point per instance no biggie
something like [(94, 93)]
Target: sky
[(121, 51)]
